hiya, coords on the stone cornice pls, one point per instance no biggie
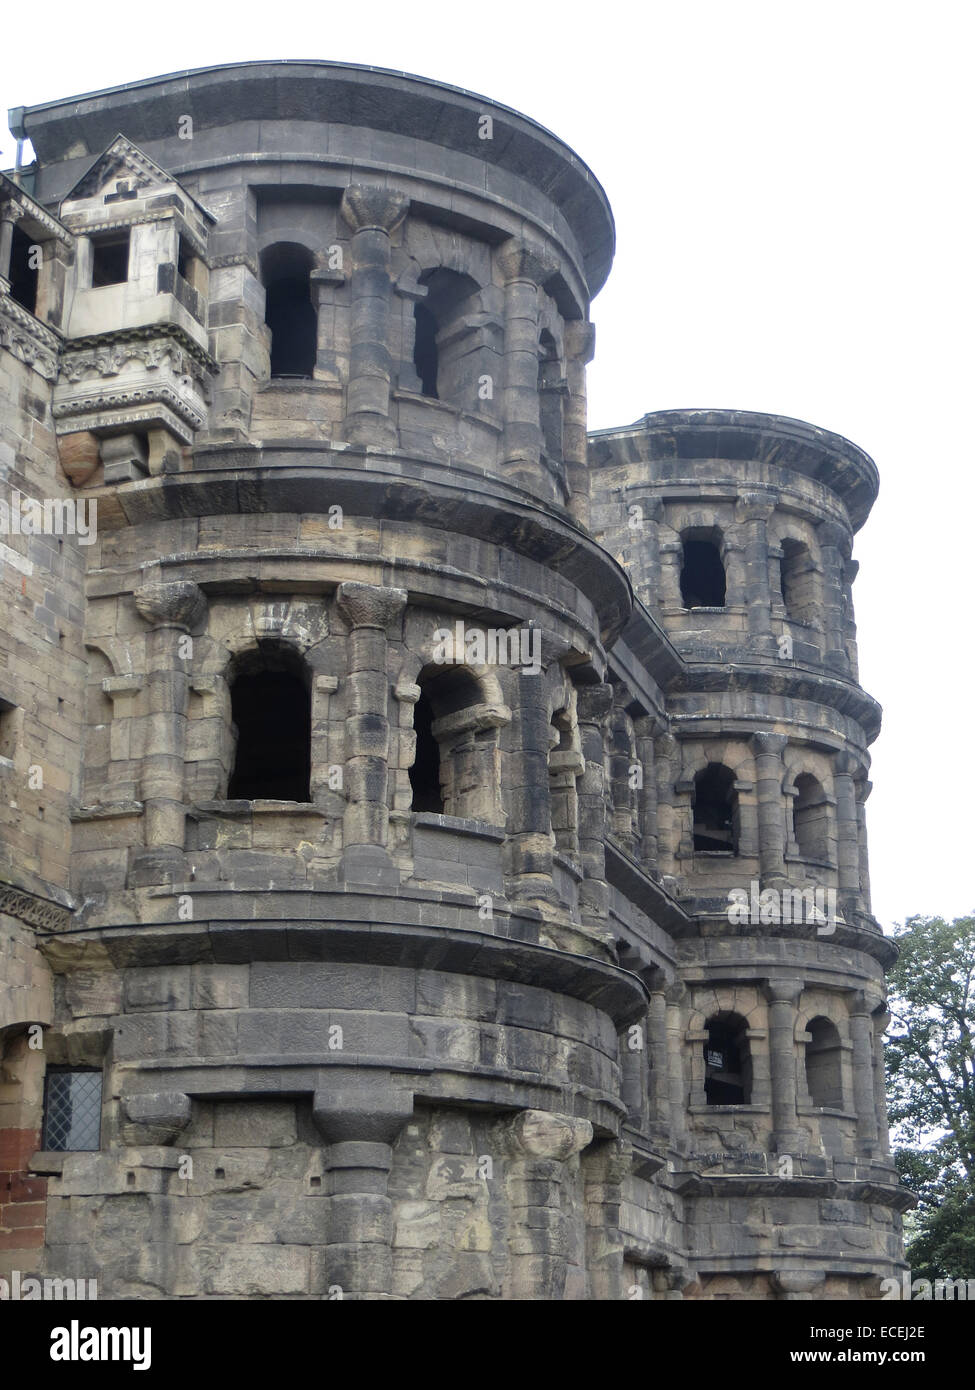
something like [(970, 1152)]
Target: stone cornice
[(23, 206), (35, 909), (30, 341), (121, 338), (744, 437)]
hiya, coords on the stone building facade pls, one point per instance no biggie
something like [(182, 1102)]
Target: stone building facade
[(433, 856)]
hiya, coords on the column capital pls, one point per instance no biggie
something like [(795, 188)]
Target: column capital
[(580, 340), (368, 605), (796, 1284), (522, 260), (770, 745), (593, 703), (372, 1111), (541, 1134), (859, 1005), (754, 506), (832, 533), (783, 991), (845, 765), (179, 604), (366, 206)]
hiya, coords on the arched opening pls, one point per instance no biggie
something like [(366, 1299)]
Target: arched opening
[(702, 575), (810, 823), (824, 1075), (23, 270), (715, 810), (425, 772), (565, 764), (289, 311), (271, 708), (797, 581), (440, 344), (448, 772), (426, 358), (727, 1061)]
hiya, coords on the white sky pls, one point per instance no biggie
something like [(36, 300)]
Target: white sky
[(791, 185)]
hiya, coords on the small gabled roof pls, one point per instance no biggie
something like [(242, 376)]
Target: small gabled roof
[(123, 159)]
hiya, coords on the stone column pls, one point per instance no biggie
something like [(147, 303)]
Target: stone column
[(753, 511), (359, 1120), (580, 343), (768, 750), (594, 703), (670, 559), (525, 268), (675, 994), (605, 1167), (173, 610), (847, 842), (528, 837), (863, 790), (368, 611), (881, 1021), (7, 219), (373, 213), (783, 996), (833, 541), (634, 1077), (667, 764), (537, 1145), (659, 1053), (864, 1100), (646, 728)]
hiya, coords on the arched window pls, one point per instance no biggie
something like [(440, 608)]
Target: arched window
[(824, 1076), (425, 772), (810, 819), (715, 809), (797, 581), (702, 576), (727, 1061), (456, 770), (565, 765), (426, 358), (289, 312), (271, 706), (23, 270), (440, 344)]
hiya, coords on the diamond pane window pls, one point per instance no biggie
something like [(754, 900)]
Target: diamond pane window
[(73, 1110)]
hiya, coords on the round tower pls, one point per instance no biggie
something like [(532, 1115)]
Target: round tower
[(431, 765), (736, 530)]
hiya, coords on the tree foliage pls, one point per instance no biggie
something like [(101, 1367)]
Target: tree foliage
[(931, 1087)]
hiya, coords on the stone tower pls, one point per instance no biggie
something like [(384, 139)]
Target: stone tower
[(433, 857)]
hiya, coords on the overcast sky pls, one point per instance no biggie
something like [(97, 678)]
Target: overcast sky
[(791, 185)]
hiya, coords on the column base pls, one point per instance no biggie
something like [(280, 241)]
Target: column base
[(368, 865)]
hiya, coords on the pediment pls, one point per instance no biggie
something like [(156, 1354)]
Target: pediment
[(122, 174)]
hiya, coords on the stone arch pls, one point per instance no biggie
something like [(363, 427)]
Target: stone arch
[(456, 764), (289, 308), (566, 765), (270, 702)]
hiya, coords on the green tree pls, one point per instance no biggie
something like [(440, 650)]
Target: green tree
[(931, 1076)]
